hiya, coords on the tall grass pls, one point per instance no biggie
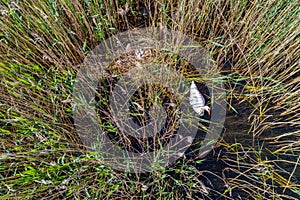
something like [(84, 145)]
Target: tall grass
[(255, 45)]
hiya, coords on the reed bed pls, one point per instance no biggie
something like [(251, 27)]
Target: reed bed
[(255, 46)]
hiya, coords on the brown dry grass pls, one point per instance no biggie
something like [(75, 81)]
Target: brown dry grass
[(255, 44)]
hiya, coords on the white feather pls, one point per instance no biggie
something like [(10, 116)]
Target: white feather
[(197, 100)]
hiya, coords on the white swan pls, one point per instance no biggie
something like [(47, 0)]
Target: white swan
[(197, 100)]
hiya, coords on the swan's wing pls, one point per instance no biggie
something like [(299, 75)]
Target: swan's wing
[(196, 98)]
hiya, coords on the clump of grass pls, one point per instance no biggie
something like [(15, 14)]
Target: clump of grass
[(254, 44)]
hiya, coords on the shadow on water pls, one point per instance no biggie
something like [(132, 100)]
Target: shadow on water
[(241, 155)]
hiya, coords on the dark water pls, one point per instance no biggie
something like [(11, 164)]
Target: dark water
[(223, 164)]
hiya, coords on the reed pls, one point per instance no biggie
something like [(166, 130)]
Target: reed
[(255, 46)]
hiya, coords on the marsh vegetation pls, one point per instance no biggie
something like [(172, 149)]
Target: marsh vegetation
[(254, 44)]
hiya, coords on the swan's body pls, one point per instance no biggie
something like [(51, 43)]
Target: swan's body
[(197, 100)]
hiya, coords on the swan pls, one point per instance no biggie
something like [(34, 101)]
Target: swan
[(197, 100)]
